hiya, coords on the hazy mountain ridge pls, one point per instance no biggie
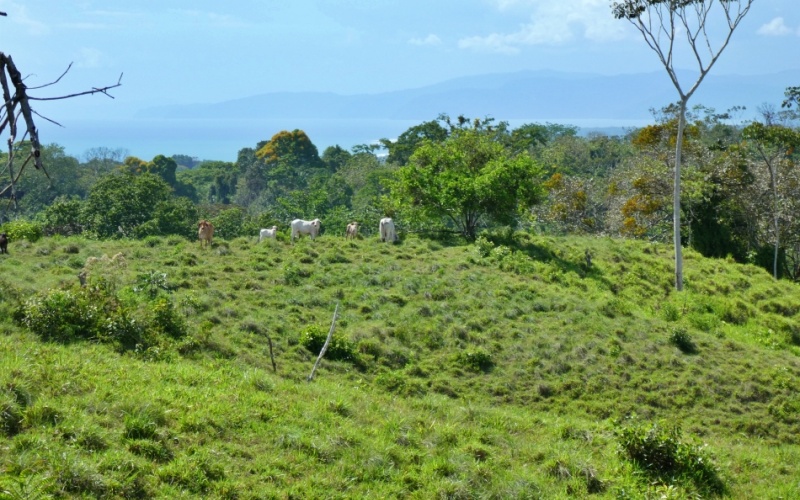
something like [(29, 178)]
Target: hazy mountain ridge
[(505, 96)]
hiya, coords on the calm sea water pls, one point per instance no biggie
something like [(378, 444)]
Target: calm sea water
[(222, 139)]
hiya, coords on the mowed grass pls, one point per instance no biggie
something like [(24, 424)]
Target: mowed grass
[(501, 369)]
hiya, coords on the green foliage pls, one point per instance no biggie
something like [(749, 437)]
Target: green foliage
[(681, 339), (466, 179), (234, 222), (61, 315), (65, 177), (176, 216), (659, 451), (11, 415), (62, 217), (18, 230), (477, 360), (97, 312), (123, 202), (151, 283), (339, 349), (400, 150)]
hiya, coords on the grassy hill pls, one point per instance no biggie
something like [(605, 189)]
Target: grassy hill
[(509, 368)]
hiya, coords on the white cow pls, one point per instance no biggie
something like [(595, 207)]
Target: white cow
[(267, 233), (309, 227), (352, 231), (387, 230)]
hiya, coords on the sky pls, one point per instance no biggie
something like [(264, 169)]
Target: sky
[(199, 51)]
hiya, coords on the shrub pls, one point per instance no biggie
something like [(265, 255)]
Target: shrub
[(17, 230), (152, 241), (671, 312), (61, 315), (166, 319), (62, 217), (483, 247), (234, 222), (10, 415), (681, 339), (477, 360), (659, 452), (339, 349), (151, 283), (97, 312)]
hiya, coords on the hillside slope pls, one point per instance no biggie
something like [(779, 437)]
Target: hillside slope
[(509, 368)]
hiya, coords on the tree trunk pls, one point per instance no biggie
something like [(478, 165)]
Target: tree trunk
[(676, 199), (775, 221)]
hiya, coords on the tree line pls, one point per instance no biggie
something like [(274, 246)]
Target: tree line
[(741, 190)]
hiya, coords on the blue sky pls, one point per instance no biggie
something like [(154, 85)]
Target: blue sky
[(200, 51)]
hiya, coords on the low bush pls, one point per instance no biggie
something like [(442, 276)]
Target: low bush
[(681, 339), (477, 360), (659, 452), (18, 230), (339, 349), (98, 312)]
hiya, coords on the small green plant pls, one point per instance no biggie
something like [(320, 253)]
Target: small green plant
[(681, 339), (659, 451), (339, 349), (477, 360), (483, 247), (152, 283), (11, 416), (671, 312), (152, 241)]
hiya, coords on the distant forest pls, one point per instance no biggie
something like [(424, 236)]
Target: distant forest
[(448, 176)]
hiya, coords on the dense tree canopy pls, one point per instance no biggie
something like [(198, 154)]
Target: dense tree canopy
[(468, 180), (120, 202)]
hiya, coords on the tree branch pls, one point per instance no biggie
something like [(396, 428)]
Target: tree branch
[(325, 346)]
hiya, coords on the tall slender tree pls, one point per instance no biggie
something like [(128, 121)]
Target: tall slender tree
[(774, 145), (707, 27)]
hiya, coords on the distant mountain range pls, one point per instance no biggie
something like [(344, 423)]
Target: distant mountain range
[(534, 95)]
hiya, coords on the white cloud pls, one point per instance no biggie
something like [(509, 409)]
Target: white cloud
[(776, 27), (428, 40), (89, 58), (552, 22), (18, 14)]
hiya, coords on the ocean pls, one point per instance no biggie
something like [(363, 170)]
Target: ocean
[(222, 139)]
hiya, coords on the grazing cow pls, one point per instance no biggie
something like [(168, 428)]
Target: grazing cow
[(3, 243), (205, 231), (104, 263), (352, 231), (267, 233), (387, 230), (309, 227)]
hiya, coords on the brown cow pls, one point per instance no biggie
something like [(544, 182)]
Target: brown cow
[(3, 243), (352, 231), (205, 231)]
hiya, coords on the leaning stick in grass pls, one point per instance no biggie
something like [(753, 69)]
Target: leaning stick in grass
[(271, 356), (325, 346)]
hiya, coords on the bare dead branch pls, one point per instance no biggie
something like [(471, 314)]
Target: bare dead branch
[(325, 346), (53, 82), (16, 104), (95, 90), (46, 118)]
